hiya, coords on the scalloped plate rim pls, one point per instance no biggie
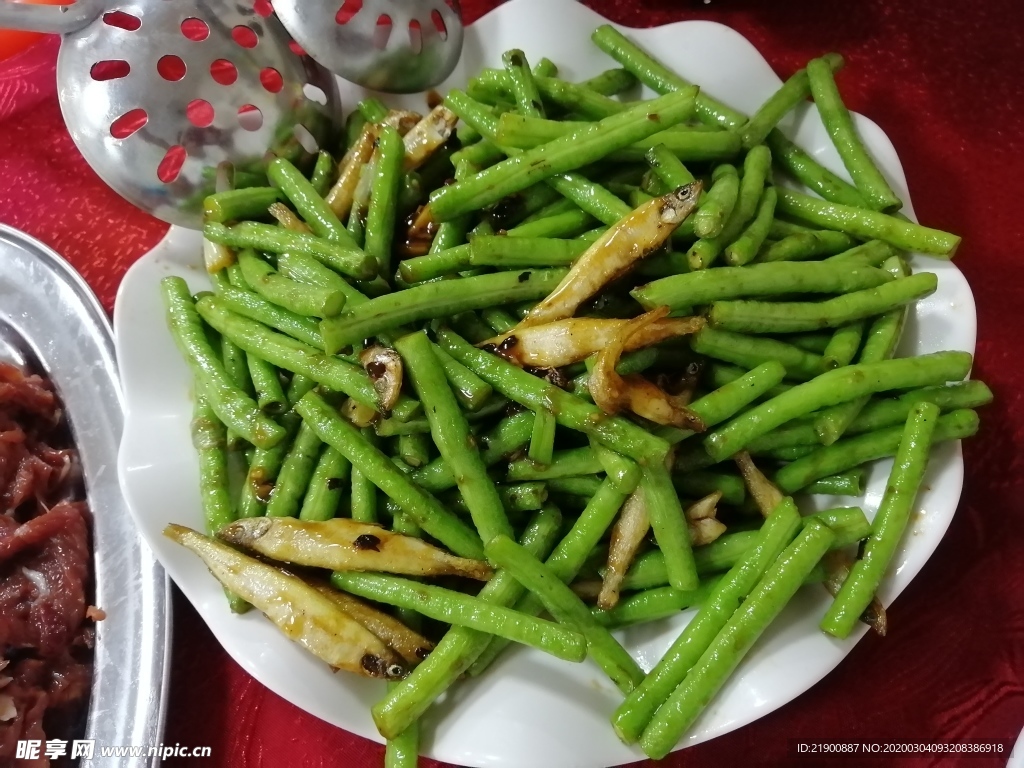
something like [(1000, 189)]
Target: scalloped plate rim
[(524, 676)]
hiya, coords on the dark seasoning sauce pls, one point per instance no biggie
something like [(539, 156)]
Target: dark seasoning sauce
[(46, 629)]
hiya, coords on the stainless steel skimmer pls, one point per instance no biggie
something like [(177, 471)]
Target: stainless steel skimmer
[(159, 94), (400, 46)]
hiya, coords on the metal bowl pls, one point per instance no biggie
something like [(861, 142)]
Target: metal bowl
[(48, 311)]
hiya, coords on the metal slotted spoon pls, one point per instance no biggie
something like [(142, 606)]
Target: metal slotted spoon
[(160, 94), (401, 46)]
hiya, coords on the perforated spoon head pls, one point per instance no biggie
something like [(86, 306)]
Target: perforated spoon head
[(400, 46), (159, 94)]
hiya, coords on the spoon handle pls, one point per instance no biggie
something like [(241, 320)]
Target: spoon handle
[(55, 19)]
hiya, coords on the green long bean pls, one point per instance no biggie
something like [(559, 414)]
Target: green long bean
[(843, 345), (451, 434), (835, 387), (721, 656), (811, 342), (265, 463), (420, 269), (623, 473), (471, 391), (570, 411), (325, 486), (452, 233), (521, 83), (310, 205), (652, 604), (657, 76), (292, 355), (745, 247), (668, 167), (509, 435), (792, 92), (569, 556), (873, 253), (756, 166), (300, 298), (611, 82), (634, 714), (233, 407), (882, 337), (266, 237), (209, 439), (414, 449), (499, 320), (718, 203), (465, 611), (590, 197), (805, 169), (648, 571), (795, 316), (296, 471), (239, 204), (255, 307), (374, 110), (585, 486), (806, 245), (266, 381), (698, 484), (867, 224), (571, 462), (890, 522), (854, 451), (567, 608), (521, 497), (751, 351), (732, 397), (236, 365), (542, 442), (322, 177), (695, 146), (887, 412), (567, 153), (669, 525), (865, 174), (701, 287), (364, 493), (493, 85), (383, 207), (679, 142), (850, 483), (461, 646), (559, 225), (420, 506), (430, 300), (305, 269), (720, 374), (517, 252)]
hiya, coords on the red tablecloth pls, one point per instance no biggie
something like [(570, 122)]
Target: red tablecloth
[(943, 78)]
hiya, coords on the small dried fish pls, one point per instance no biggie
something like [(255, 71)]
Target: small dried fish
[(616, 252), (297, 609), (563, 342), (343, 544)]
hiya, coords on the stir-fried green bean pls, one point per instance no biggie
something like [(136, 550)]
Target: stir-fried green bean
[(456, 238)]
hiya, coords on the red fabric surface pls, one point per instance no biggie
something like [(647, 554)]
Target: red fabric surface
[(943, 79)]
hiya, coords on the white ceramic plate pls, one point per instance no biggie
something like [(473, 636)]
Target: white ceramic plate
[(531, 710)]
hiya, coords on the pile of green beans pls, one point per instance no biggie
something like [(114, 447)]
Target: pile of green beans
[(348, 356)]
